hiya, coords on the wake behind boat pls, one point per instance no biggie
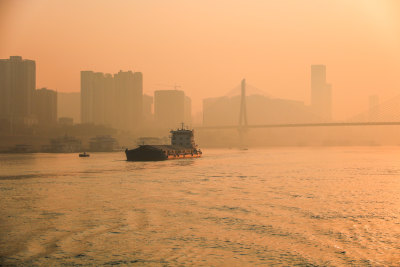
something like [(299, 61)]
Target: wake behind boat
[(182, 146)]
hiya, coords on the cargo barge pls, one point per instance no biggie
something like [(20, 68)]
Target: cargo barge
[(182, 146)]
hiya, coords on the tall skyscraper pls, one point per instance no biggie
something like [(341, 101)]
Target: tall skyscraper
[(109, 100), (321, 93), (87, 96), (137, 100), (169, 108), (45, 106), (17, 86), (115, 101), (97, 98), (129, 96)]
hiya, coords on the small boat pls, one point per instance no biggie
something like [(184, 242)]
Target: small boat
[(84, 155)]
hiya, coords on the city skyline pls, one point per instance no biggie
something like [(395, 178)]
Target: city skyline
[(199, 133), (308, 98), (118, 100), (186, 46)]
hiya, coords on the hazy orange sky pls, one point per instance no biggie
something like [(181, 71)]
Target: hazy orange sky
[(208, 46)]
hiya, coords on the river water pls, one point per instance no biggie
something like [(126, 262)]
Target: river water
[(277, 206)]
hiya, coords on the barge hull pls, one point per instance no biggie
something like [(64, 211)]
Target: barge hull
[(158, 153)]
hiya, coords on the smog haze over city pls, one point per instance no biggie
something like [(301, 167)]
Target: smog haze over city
[(163, 133)]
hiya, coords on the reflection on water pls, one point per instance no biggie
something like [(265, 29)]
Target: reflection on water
[(316, 206)]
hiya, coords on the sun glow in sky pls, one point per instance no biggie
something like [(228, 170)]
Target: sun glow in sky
[(209, 46)]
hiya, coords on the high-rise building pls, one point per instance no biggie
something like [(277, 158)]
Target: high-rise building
[(87, 96), (137, 100), (17, 86), (45, 106), (129, 96), (109, 100), (115, 101), (169, 108), (97, 98), (321, 93)]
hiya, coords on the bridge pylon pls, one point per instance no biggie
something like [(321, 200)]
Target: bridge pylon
[(243, 112), (242, 116)]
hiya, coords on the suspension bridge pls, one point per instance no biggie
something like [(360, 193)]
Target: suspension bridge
[(380, 115)]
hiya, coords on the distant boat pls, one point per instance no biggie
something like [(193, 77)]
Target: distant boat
[(84, 155)]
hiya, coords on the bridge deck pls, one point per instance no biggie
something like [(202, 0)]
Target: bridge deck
[(289, 125)]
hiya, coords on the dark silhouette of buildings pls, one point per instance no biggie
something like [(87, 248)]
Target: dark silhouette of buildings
[(321, 93), (45, 106), (66, 121), (17, 86), (65, 144), (118, 101), (223, 111), (102, 143), (115, 101), (94, 88), (107, 99), (171, 108), (129, 99)]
